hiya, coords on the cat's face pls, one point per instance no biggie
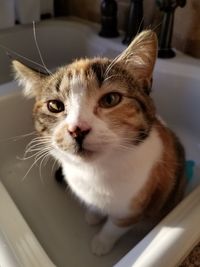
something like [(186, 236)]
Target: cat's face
[(94, 106)]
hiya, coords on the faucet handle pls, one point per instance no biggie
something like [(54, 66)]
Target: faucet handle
[(170, 5)]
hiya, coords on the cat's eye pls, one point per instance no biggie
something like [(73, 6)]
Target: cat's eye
[(55, 106), (110, 100)]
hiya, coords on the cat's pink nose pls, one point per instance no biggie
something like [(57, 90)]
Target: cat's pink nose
[(79, 131)]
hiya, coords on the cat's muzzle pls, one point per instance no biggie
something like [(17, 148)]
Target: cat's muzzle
[(79, 136)]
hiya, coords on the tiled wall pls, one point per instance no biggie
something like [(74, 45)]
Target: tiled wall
[(186, 35)]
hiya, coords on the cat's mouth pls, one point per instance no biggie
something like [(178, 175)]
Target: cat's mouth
[(82, 150), (77, 147)]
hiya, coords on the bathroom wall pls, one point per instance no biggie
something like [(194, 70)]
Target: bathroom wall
[(187, 28), (186, 35)]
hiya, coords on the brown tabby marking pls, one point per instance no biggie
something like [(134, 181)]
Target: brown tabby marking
[(135, 115)]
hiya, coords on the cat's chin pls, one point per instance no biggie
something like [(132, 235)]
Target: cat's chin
[(85, 154), (81, 155)]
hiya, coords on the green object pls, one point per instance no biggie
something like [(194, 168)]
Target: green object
[(189, 168)]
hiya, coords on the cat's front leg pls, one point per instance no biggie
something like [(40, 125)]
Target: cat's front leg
[(104, 241)]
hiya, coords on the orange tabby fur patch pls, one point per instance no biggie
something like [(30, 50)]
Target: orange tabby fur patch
[(159, 196)]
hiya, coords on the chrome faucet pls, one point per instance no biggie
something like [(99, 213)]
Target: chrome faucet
[(135, 20), (168, 7)]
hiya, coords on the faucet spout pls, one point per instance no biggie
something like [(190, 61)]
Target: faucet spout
[(135, 20), (165, 38)]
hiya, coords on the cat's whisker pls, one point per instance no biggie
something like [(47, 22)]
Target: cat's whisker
[(35, 154), (35, 146), (37, 141), (38, 49), (39, 151), (34, 142), (10, 51), (18, 137), (43, 152), (140, 26), (54, 164), (40, 138), (154, 28), (32, 156), (31, 151), (111, 76), (32, 165), (39, 156), (46, 156), (110, 66), (28, 157), (127, 55)]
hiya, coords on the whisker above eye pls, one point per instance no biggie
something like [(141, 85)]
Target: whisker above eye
[(110, 66), (10, 51), (38, 49)]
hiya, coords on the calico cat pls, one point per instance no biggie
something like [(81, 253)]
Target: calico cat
[(117, 156)]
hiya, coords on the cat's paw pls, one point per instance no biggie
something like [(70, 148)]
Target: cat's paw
[(101, 246), (93, 218)]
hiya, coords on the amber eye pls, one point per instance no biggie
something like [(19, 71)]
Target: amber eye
[(110, 100), (55, 106)]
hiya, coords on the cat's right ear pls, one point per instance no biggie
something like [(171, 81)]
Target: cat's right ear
[(140, 56), (30, 79)]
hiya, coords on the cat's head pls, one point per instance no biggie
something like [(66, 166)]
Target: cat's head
[(95, 106)]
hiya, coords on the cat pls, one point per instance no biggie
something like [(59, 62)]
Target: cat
[(117, 156)]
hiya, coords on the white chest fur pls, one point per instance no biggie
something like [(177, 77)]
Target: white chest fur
[(111, 184)]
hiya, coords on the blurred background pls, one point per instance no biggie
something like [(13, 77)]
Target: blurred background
[(186, 35), (186, 32)]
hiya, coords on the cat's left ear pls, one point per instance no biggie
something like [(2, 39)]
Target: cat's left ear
[(140, 56), (30, 79)]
